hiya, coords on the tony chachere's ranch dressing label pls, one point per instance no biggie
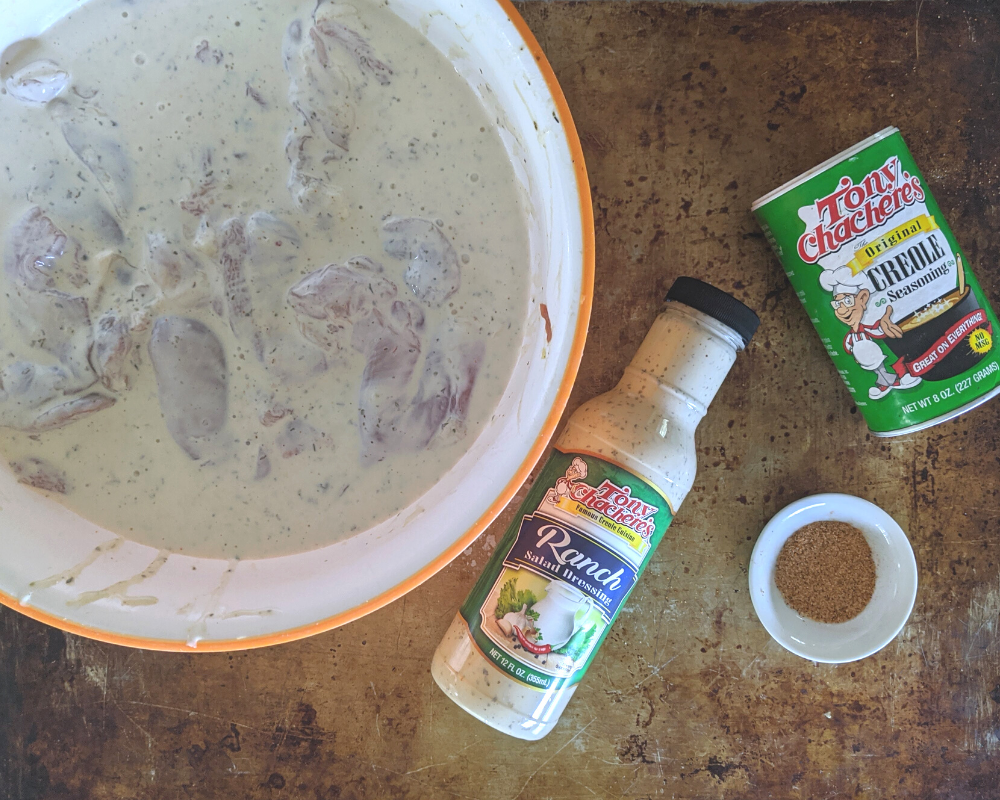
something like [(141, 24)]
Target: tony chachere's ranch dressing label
[(563, 570), (882, 278)]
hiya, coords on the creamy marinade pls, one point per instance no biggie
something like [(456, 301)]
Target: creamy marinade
[(264, 269)]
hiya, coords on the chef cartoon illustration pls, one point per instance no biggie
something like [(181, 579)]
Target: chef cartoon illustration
[(850, 299), (576, 471)]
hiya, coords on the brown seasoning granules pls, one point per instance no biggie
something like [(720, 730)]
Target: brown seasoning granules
[(826, 572)]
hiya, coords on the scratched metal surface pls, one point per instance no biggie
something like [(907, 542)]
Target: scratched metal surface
[(687, 115)]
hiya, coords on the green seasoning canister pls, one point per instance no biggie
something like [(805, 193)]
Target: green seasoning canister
[(882, 278)]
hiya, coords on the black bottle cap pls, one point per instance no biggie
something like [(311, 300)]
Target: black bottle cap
[(717, 304)]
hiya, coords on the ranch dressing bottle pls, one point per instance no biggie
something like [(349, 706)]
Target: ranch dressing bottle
[(529, 629)]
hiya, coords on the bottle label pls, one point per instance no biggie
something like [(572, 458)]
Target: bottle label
[(564, 568)]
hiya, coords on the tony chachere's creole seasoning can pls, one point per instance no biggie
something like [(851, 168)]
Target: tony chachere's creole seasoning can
[(882, 278)]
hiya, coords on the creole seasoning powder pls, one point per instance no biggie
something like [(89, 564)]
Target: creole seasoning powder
[(826, 571)]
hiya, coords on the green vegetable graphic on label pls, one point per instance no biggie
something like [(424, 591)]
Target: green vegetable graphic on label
[(510, 600)]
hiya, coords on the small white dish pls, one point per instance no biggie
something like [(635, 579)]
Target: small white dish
[(883, 617)]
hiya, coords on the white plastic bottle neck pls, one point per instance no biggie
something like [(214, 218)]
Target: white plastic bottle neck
[(682, 362)]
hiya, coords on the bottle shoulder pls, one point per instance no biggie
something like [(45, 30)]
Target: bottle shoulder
[(640, 435)]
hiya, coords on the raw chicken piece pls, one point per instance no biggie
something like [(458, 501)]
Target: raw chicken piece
[(404, 317), (246, 253), (330, 19), (171, 268), (442, 401), (271, 248), (433, 273), (342, 292), (37, 83), (34, 246), (41, 475), (233, 251), (191, 378), (298, 437), (40, 256), (309, 183), (200, 199), (391, 348), (59, 324), (271, 239), (438, 411), (319, 88), (329, 299), (386, 331), (321, 92), (176, 272), (50, 319), (128, 299), (26, 387), (85, 131), (336, 299), (63, 414), (27, 392), (263, 468), (109, 354)]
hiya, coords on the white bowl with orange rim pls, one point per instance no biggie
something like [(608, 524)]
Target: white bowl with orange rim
[(63, 570)]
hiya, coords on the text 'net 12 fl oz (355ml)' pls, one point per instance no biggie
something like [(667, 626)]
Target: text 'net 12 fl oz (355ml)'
[(884, 282), (529, 629)]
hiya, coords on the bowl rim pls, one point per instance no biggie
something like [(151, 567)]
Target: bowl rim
[(506, 495), (778, 526)]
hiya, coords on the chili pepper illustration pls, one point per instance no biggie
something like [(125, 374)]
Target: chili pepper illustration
[(531, 647)]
